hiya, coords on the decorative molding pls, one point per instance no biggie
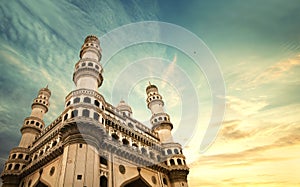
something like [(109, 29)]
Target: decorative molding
[(178, 175)]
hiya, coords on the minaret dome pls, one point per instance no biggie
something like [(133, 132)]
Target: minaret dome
[(91, 48), (124, 108)]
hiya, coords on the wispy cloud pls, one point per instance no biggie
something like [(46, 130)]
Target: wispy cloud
[(248, 76), (232, 130), (276, 71), (169, 71), (245, 107)]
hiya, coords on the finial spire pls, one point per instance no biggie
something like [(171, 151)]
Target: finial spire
[(149, 83), (47, 86)]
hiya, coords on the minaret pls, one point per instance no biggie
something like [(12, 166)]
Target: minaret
[(81, 132), (19, 156), (160, 120), (34, 123), (88, 70), (174, 158)]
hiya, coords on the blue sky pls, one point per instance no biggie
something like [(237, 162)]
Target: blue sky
[(256, 44)]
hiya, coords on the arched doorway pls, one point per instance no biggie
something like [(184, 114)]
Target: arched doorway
[(103, 181), (40, 184), (139, 182)]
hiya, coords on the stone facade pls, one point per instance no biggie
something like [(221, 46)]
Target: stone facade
[(92, 143)]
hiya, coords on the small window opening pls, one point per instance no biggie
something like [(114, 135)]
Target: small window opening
[(96, 116), (77, 100), (165, 181), (87, 100), (66, 117), (20, 156), (74, 113), (169, 151), (86, 113), (103, 160), (17, 166), (97, 103)]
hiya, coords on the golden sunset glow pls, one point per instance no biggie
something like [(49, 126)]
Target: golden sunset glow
[(255, 146)]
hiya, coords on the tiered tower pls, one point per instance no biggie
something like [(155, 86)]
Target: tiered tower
[(159, 119), (81, 136), (32, 127), (161, 124), (88, 71), (34, 123)]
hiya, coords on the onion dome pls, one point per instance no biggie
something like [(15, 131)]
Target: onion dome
[(151, 87), (124, 107)]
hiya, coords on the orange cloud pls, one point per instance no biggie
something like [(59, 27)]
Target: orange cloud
[(231, 131), (252, 155)]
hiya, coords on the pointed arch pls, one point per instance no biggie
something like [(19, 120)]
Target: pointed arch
[(137, 181), (103, 181), (40, 183)]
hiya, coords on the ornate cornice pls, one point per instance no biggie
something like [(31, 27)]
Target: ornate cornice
[(87, 92), (163, 125), (30, 128), (85, 49), (178, 175), (42, 160), (81, 129), (159, 101), (19, 149), (133, 156), (132, 133), (10, 179), (88, 71), (171, 145)]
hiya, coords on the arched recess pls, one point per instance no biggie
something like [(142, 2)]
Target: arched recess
[(103, 181), (136, 182), (40, 184)]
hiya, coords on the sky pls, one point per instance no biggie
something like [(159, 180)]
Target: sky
[(255, 47)]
